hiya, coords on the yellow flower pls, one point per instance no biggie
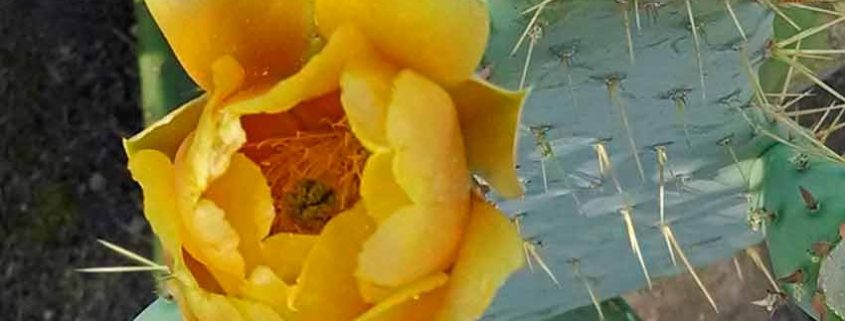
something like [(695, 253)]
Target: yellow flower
[(335, 186)]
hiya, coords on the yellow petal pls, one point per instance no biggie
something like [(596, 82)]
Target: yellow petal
[(228, 74), (166, 134), (422, 308), (320, 76), (214, 242), (366, 86), (154, 172), (381, 195), (390, 308), (416, 241), (491, 251), (207, 306), (175, 288), (422, 127), (244, 196), (489, 119), (188, 274), (254, 311), (231, 284), (372, 293), (327, 290), (269, 38), (205, 155), (215, 249), (284, 253), (443, 39), (263, 286), (190, 271)]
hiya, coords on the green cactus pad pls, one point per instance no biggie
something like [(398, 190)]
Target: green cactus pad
[(160, 310), (795, 229), (583, 43), (164, 85), (773, 72)]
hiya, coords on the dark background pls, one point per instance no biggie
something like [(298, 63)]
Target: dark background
[(68, 93)]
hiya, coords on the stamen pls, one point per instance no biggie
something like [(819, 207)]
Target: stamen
[(313, 176)]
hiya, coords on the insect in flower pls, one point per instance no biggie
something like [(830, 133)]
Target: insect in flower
[(310, 204)]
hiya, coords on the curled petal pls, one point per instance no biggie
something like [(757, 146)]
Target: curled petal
[(205, 154), (416, 241), (207, 306), (269, 38), (366, 86), (403, 305), (244, 196), (489, 118), (167, 134), (372, 293), (491, 251), (181, 301), (381, 195), (320, 76), (188, 270), (265, 287), (214, 242), (254, 311), (198, 304), (419, 309), (443, 39), (423, 129), (154, 172), (219, 245), (285, 253), (327, 289)]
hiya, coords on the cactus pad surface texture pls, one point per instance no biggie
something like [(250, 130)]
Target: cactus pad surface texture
[(587, 81)]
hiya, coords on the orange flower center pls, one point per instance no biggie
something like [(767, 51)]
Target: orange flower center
[(314, 171)]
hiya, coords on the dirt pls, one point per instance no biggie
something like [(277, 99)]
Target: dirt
[(733, 290), (68, 93)]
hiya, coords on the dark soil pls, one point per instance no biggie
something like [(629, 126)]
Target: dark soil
[(68, 93)]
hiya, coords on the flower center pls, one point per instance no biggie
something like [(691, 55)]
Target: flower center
[(313, 175), (310, 204)]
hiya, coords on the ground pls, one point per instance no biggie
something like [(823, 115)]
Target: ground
[(733, 283), (68, 93)]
